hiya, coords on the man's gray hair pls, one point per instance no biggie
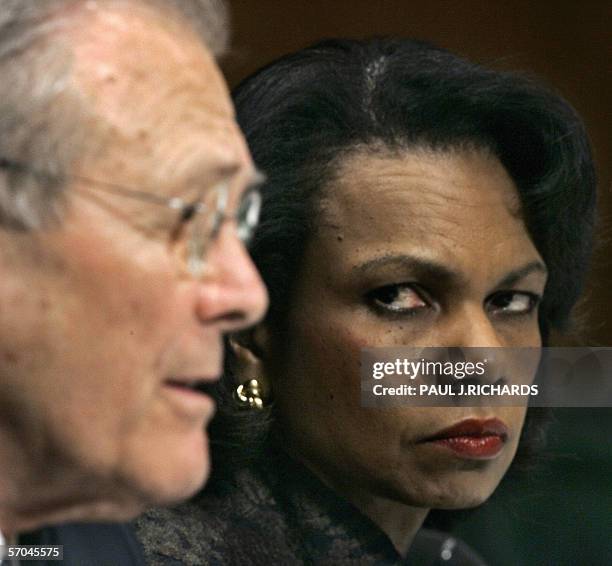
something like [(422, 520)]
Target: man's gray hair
[(42, 118)]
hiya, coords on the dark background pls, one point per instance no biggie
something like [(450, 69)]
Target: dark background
[(561, 514)]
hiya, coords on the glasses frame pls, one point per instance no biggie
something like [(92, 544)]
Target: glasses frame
[(211, 218)]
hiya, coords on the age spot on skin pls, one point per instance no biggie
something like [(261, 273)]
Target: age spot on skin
[(135, 307), (10, 358), (59, 265)]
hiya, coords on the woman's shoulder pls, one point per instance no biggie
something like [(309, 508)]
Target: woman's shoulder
[(278, 513), (174, 535), (228, 523), (432, 547)]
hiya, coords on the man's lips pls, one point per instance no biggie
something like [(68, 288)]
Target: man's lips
[(191, 397), (480, 439), (203, 385)]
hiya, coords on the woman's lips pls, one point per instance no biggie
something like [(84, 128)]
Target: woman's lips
[(479, 439)]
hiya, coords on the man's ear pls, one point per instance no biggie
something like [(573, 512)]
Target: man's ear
[(251, 350)]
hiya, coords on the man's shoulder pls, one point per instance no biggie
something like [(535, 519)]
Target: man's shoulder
[(94, 544)]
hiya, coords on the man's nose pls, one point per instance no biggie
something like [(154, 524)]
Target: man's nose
[(231, 293)]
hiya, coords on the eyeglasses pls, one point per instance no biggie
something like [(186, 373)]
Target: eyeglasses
[(200, 221)]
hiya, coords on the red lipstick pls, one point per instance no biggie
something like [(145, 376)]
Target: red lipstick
[(473, 438)]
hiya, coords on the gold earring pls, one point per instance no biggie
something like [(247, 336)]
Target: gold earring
[(248, 395)]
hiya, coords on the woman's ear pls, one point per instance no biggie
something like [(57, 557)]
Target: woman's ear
[(250, 349)]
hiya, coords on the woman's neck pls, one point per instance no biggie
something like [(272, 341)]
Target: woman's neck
[(400, 522)]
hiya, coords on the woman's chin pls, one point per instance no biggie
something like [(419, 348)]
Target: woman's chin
[(448, 495), (467, 501)]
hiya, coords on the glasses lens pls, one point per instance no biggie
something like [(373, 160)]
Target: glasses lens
[(247, 215), (204, 226)]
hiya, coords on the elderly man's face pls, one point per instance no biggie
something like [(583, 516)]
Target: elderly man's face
[(101, 323)]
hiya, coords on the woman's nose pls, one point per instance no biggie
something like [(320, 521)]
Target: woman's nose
[(470, 326), (470, 335)]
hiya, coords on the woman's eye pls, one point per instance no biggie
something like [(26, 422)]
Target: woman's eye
[(514, 302), (398, 298)]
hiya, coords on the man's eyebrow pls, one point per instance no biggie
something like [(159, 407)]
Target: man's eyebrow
[(213, 176), (517, 274), (228, 173), (256, 180), (200, 170), (420, 267), (216, 173)]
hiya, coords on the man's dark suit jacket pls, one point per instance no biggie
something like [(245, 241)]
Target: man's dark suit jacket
[(99, 544)]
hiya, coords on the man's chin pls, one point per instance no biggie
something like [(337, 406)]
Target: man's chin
[(159, 491), (178, 480), (179, 490)]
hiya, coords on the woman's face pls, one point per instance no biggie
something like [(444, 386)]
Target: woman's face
[(415, 249)]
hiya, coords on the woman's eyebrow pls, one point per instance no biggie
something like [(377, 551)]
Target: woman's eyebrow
[(517, 274), (420, 267), (426, 268)]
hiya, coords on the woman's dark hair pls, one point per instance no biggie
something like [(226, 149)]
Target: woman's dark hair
[(304, 113)]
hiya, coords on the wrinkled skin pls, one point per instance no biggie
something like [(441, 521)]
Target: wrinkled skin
[(97, 314)]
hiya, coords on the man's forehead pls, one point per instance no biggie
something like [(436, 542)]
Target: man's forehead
[(132, 64), (114, 43), (158, 101)]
